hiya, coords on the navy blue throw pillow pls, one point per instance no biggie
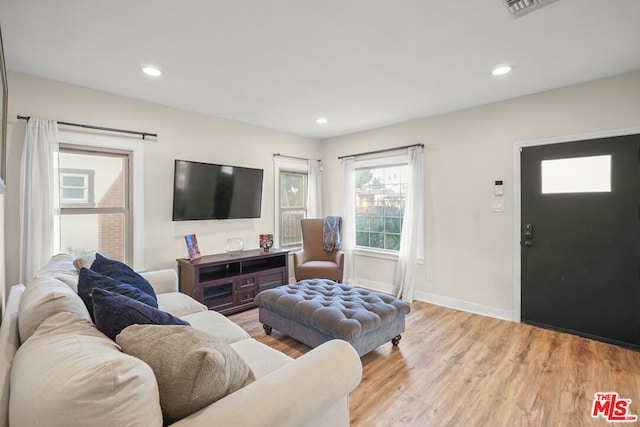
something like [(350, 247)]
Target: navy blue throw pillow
[(114, 312), (122, 273), (88, 280)]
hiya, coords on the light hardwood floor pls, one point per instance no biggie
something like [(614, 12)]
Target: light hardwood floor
[(454, 368)]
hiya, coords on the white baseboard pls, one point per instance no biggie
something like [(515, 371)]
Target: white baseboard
[(375, 286), (467, 306), (443, 301)]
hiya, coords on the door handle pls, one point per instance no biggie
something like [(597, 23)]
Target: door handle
[(528, 235)]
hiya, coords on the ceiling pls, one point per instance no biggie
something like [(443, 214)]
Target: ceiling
[(281, 64)]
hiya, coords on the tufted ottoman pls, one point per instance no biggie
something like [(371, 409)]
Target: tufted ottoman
[(319, 310)]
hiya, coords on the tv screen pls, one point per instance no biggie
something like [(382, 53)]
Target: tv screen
[(211, 191)]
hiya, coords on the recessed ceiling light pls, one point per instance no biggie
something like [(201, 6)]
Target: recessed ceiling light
[(503, 69), (321, 120), (152, 71)]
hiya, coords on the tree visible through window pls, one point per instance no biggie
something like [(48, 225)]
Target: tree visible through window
[(380, 196)]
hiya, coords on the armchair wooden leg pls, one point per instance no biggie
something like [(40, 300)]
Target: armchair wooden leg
[(267, 329)]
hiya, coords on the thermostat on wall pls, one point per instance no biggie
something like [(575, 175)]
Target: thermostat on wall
[(498, 188)]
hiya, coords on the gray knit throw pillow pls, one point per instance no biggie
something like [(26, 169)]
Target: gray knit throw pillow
[(193, 369)]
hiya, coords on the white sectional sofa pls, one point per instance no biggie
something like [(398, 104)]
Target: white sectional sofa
[(57, 369)]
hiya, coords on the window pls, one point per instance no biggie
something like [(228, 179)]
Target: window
[(293, 206), (296, 196), (380, 194), (590, 174), (76, 187), (87, 154), (95, 202)]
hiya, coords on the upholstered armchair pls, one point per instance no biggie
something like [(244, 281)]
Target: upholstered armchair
[(313, 261)]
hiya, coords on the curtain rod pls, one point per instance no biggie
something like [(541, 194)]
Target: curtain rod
[(381, 151), (133, 132), (292, 157)]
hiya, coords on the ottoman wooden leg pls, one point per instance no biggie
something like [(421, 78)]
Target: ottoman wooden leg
[(396, 340), (268, 329)]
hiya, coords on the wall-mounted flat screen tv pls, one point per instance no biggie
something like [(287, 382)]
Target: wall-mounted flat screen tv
[(212, 191)]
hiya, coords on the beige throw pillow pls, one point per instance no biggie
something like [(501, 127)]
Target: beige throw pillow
[(70, 374), (43, 298), (85, 261), (193, 369)]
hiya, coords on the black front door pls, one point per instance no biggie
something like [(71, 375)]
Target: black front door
[(581, 237)]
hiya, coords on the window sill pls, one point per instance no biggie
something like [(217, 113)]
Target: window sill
[(373, 253), (381, 254)]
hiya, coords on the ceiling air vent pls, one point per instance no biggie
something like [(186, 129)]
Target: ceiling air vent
[(522, 7)]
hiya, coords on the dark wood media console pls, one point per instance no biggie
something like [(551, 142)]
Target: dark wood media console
[(229, 283)]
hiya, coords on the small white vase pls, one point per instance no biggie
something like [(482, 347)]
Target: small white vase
[(234, 245)]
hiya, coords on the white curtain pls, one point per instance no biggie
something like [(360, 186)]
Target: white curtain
[(412, 237), (314, 195), (39, 207), (348, 216)]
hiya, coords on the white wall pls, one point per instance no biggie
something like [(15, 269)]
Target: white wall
[(181, 134), (469, 249)]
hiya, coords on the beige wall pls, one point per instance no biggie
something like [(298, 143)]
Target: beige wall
[(469, 249), (181, 134)]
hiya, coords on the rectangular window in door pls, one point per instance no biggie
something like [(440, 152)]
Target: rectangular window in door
[(590, 174)]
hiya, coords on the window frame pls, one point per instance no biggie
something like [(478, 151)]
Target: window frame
[(304, 207), (371, 163), (135, 151), (291, 166), (70, 209)]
